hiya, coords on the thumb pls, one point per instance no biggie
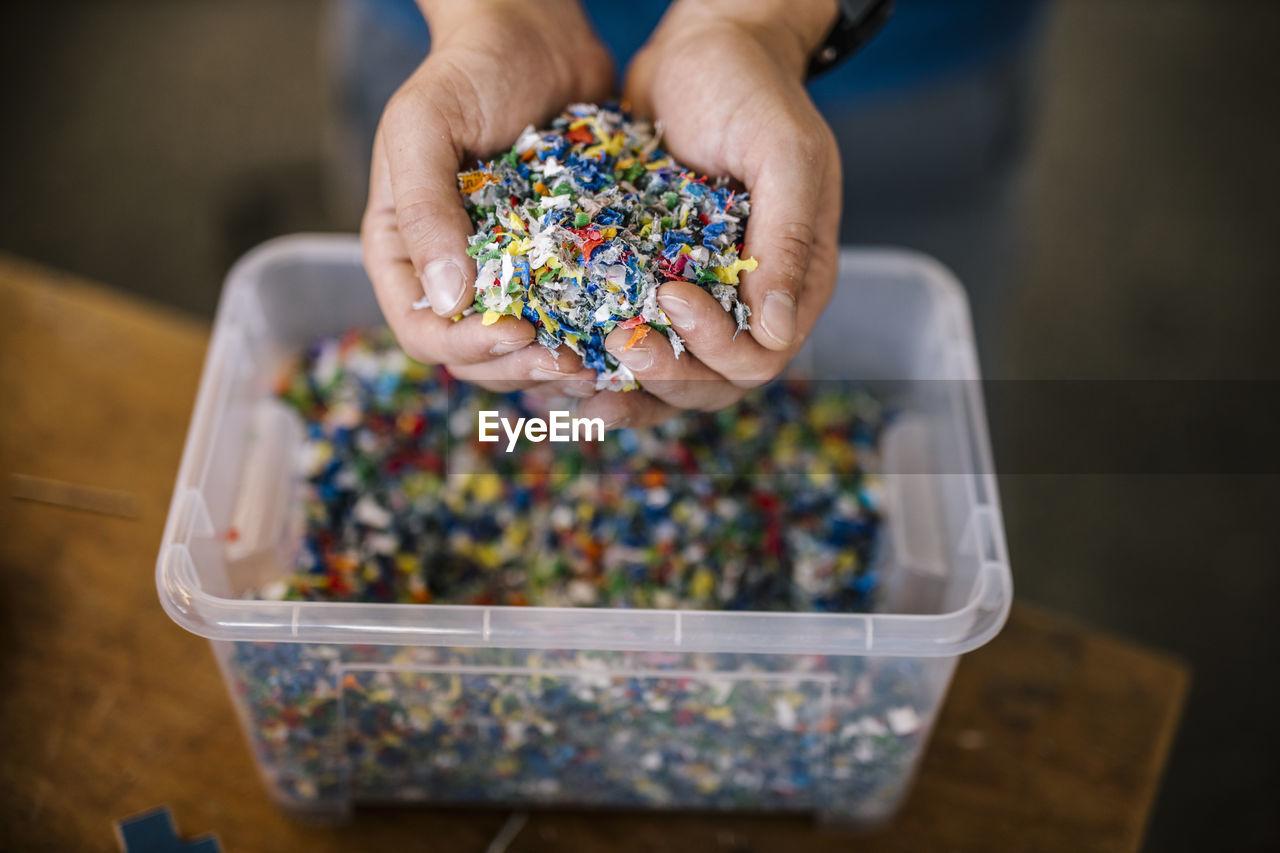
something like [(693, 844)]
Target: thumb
[(424, 156)]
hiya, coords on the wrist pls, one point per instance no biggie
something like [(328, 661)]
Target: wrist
[(791, 30), (445, 16)]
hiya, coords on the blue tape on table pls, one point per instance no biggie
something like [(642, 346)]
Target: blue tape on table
[(154, 832)]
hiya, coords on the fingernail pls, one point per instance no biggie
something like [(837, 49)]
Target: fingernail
[(443, 283), (504, 347), (620, 423), (637, 358), (778, 319), (541, 374), (678, 311)]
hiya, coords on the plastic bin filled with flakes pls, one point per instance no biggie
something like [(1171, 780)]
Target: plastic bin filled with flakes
[(756, 609)]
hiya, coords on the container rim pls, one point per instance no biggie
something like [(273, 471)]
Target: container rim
[(946, 634)]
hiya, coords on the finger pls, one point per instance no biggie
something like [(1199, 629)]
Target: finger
[(620, 410), (684, 382), (424, 335), (639, 82), (711, 334), (420, 127), (529, 368), (579, 388), (544, 404), (541, 401), (785, 197), (542, 390)]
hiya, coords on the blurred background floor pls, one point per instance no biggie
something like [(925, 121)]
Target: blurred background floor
[(147, 144)]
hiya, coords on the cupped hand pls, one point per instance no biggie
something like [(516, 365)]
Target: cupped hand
[(495, 67), (726, 82)]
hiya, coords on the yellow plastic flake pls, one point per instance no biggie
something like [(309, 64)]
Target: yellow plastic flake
[(841, 453), (746, 428), (490, 317), (612, 145), (729, 274), (826, 412), (847, 563), (418, 485), (702, 584), (486, 486), (546, 319), (382, 694), (487, 554), (719, 713), (517, 533), (523, 246), (515, 222), (454, 500), (684, 215)]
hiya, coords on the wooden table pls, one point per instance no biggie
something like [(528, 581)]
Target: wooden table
[(1053, 737)]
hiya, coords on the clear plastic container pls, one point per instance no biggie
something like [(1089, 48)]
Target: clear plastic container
[(346, 703)]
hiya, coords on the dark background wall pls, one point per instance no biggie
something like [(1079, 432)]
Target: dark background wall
[(147, 144)]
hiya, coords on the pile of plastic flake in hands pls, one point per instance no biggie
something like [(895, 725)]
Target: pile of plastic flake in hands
[(772, 504), (579, 224)]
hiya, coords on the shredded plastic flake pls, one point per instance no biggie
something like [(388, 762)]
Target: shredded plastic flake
[(772, 504), (579, 224)]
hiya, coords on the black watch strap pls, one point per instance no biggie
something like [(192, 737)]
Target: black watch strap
[(859, 20)]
